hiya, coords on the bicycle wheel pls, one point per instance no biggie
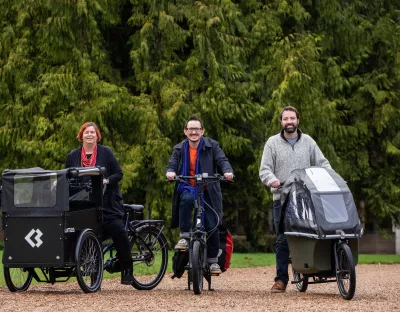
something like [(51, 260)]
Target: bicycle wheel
[(17, 279), (197, 267), (89, 262), (345, 271), (301, 281), (150, 257)]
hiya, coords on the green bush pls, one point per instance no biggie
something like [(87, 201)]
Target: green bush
[(265, 243), (240, 244)]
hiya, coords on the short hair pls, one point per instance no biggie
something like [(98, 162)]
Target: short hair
[(195, 119), (83, 128), (289, 108)]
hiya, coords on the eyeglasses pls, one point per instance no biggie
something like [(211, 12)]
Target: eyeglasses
[(194, 129)]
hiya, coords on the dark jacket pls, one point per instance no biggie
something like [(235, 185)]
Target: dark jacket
[(211, 158), (113, 205)]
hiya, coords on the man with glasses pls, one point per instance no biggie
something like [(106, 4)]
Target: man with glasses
[(198, 155)]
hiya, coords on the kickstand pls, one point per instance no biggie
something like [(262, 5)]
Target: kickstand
[(189, 282), (208, 279)]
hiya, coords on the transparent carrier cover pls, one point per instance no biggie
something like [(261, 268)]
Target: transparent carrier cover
[(316, 202)]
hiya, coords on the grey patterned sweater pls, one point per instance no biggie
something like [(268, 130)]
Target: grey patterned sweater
[(280, 158)]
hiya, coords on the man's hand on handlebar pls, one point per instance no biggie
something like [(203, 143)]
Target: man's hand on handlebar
[(171, 176), (228, 176), (276, 184)]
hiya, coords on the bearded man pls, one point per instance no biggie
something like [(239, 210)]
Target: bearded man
[(288, 150)]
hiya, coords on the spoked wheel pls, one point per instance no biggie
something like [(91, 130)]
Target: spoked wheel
[(150, 258), (301, 281), (197, 267), (89, 262), (345, 271), (17, 279)]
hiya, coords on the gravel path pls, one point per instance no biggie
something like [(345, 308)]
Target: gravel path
[(235, 290)]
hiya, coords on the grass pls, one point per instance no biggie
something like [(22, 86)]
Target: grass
[(378, 259), (249, 260)]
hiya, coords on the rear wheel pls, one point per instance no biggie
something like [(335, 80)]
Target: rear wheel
[(301, 281), (197, 267), (89, 262), (345, 271), (17, 279), (150, 258)]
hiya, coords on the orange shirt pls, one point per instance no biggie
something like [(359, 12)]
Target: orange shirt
[(192, 167)]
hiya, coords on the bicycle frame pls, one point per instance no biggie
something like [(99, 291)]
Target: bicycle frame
[(149, 250), (131, 228), (198, 233)]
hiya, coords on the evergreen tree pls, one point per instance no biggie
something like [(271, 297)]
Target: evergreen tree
[(140, 68)]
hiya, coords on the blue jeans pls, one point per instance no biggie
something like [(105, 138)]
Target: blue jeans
[(282, 249), (210, 222)]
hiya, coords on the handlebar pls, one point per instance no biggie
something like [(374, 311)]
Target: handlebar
[(281, 185), (85, 171), (201, 178)]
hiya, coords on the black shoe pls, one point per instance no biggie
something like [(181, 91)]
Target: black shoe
[(126, 277)]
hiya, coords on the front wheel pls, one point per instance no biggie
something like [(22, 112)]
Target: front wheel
[(300, 281), (197, 267), (345, 271), (17, 279), (149, 250), (89, 262)]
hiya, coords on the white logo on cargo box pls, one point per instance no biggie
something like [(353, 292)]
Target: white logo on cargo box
[(38, 233)]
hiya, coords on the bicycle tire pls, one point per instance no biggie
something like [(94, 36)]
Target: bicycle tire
[(197, 267), (301, 281), (17, 279), (345, 271), (89, 262), (149, 250)]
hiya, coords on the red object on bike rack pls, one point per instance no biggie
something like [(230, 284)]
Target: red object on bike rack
[(226, 246)]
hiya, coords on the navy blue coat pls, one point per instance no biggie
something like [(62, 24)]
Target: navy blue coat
[(211, 158)]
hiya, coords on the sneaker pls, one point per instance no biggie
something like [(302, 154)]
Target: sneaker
[(215, 269), (182, 244), (278, 287), (126, 277)]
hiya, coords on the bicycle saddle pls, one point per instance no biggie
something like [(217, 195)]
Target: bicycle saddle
[(136, 208)]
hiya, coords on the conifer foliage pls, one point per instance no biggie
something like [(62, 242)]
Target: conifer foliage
[(140, 68)]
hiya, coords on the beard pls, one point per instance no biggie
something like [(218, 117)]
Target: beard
[(194, 140), (290, 128)]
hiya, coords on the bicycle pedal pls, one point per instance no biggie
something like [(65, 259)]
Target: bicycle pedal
[(215, 274)]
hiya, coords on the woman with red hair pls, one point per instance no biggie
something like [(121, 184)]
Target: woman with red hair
[(90, 154)]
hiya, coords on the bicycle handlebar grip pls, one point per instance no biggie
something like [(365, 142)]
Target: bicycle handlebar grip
[(73, 173), (102, 170)]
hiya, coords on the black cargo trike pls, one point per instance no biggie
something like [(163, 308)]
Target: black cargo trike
[(52, 226), (322, 227)]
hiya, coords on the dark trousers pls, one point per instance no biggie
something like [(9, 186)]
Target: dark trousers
[(210, 222), (282, 248), (114, 228)]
